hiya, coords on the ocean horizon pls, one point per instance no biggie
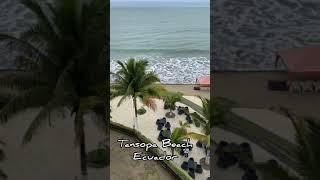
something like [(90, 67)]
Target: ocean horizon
[(174, 39)]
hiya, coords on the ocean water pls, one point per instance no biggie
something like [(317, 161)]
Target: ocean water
[(175, 40)]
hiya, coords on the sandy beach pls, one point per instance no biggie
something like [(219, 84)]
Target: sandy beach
[(187, 90), (146, 125)]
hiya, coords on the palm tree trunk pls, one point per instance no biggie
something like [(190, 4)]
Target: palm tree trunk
[(135, 112), (207, 159), (79, 125), (83, 155)]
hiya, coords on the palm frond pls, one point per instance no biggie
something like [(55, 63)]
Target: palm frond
[(123, 98), (307, 137), (149, 102), (197, 119), (20, 80), (153, 90), (65, 86), (40, 35), (42, 16), (27, 49), (184, 125), (196, 136), (41, 117), (30, 98), (25, 63), (178, 135)]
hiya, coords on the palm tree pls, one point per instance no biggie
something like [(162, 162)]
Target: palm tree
[(219, 108), (203, 120), (307, 152), (61, 63), (132, 80), (204, 139), (170, 100), (179, 134)]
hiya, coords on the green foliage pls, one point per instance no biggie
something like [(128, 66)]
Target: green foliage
[(141, 111), (197, 119), (184, 125), (170, 99), (178, 135), (219, 108), (308, 148), (133, 80), (99, 157), (307, 137), (204, 120)]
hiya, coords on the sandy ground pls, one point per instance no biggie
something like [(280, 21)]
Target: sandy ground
[(51, 155), (249, 89), (187, 89), (124, 168), (147, 125)]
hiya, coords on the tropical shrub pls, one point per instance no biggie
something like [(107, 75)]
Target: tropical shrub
[(98, 158), (142, 111), (170, 99)]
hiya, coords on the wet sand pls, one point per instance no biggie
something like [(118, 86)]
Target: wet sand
[(124, 168), (187, 89)]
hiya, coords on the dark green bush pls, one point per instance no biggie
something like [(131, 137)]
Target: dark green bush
[(98, 157), (141, 111)]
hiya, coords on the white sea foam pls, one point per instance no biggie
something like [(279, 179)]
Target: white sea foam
[(172, 70)]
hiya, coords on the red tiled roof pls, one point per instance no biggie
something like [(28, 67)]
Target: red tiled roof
[(303, 63), (204, 81)]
